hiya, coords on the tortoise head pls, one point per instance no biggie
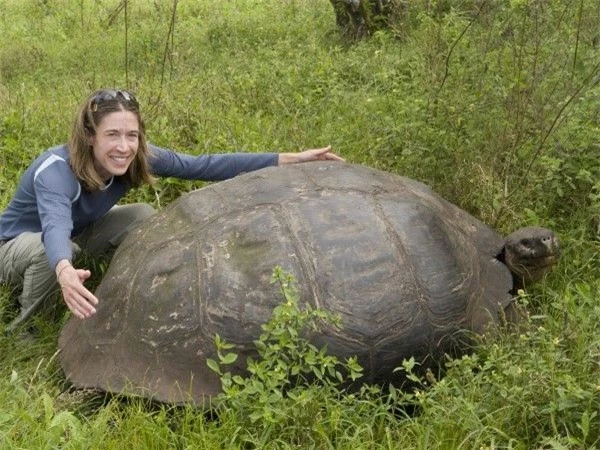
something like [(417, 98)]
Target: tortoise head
[(530, 253)]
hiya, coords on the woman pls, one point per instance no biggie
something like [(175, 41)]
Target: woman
[(65, 200)]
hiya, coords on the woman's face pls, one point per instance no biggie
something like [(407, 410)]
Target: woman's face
[(115, 143)]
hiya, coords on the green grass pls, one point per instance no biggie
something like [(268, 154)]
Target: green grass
[(498, 111)]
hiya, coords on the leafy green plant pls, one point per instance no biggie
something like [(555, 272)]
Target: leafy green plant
[(290, 371)]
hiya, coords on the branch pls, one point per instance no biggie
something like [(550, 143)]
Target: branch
[(454, 44), (554, 123)]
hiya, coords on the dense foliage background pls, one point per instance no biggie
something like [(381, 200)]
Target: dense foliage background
[(495, 104)]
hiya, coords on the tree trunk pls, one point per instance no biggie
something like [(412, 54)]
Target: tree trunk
[(359, 18)]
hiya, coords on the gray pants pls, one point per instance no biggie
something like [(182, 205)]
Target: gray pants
[(23, 261)]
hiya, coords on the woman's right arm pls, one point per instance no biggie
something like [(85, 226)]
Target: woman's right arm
[(55, 191), (80, 301)]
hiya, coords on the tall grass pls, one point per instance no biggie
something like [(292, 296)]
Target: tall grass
[(494, 104)]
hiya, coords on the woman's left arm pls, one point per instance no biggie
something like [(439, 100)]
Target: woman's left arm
[(217, 167), (316, 154)]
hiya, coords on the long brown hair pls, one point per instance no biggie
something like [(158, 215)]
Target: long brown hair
[(89, 115)]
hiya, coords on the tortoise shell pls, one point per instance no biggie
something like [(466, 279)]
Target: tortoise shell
[(403, 268)]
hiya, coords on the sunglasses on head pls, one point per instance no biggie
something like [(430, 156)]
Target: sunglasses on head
[(106, 95)]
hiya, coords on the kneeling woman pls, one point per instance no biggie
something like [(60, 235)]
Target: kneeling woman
[(65, 200)]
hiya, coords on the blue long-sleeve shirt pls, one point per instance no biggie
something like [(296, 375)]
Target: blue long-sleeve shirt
[(49, 198)]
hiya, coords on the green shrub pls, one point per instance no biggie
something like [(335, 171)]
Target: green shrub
[(289, 384)]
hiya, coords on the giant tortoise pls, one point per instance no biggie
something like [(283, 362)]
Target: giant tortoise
[(403, 268)]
